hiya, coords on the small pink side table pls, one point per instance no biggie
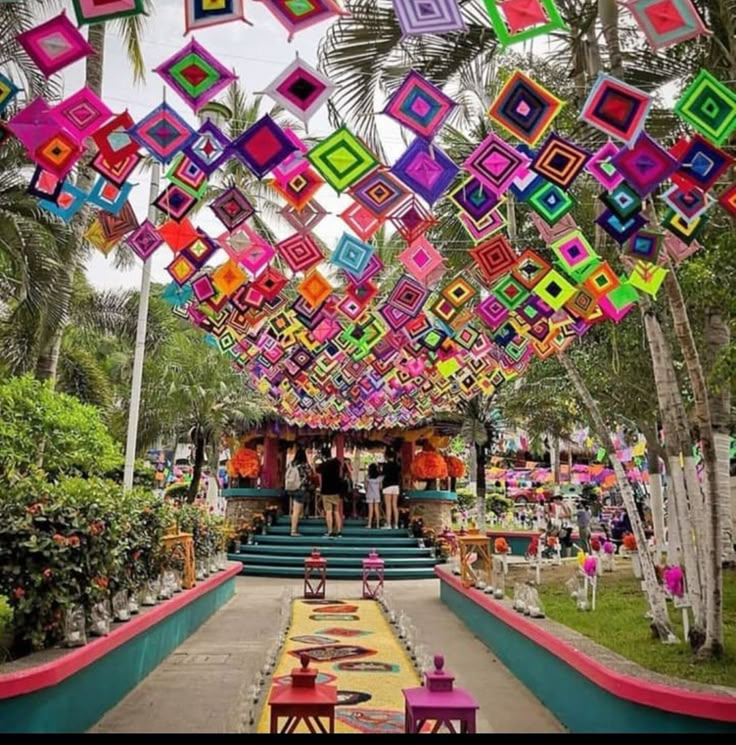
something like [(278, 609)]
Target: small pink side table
[(440, 702)]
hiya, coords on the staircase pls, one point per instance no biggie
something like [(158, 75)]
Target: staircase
[(278, 554)]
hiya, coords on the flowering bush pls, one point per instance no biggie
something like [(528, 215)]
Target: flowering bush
[(455, 467), (244, 463), (629, 542)]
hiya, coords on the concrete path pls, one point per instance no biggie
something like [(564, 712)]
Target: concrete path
[(203, 686)]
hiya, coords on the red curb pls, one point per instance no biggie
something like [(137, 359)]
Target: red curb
[(637, 690), (49, 674)]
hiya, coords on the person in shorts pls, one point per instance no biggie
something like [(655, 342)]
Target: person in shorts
[(331, 474), (373, 494), (391, 489)]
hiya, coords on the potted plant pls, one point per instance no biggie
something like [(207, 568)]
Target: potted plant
[(428, 466), (244, 467)]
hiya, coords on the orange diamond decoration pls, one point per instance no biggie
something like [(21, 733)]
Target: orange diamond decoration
[(228, 278)]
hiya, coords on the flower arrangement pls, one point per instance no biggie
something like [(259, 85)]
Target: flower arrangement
[(258, 520), (455, 467), (416, 526), (590, 566), (244, 464), (629, 542), (674, 581), (428, 466), (595, 545), (501, 546)]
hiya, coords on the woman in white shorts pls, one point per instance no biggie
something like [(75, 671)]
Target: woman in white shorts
[(391, 476), (373, 495)]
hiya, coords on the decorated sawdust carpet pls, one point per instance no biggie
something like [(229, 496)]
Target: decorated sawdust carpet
[(354, 648)]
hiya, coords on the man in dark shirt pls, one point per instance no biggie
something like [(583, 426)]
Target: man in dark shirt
[(331, 474)]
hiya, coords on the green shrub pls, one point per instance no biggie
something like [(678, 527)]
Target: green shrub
[(177, 492), (6, 616)]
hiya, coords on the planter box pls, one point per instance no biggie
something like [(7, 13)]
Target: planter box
[(583, 693), (74, 690)]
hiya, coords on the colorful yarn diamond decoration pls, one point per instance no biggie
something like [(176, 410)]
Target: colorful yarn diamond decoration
[(530, 268), (667, 22), (54, 45), (647, 277), (174, 202), (195, 75), (45, 185), (119, 173), (95, 235), (374, 267), (582, 304), (163, 133), (495, 163), (109, 197), (510, 292), (485, 228), (300, 252), (411, 219), (524, 108), (293, 164), (342, 159), (475, 199), (8, 91), (101, 11), (300, 189), (426, 170), (68, 202), (492, 312), (518, 20), (145, 240), (574, 252), (616, 108), (701, 163), (494, 257), (114, 142), (379, 193), (204, 288), (677, 250), (232, 208), (686, 230), (301, 89), (262, 146), (421, 259), (644, 245), (645, 165), (689, 203), (314, 288), (619, 228), (186, 174), (296, 15), (352, 255), (178, 235), (33, 125), (82, 113), (708, 106), (361, 221), (727, 200), (408, 296), (228, 277), (181, 269), (210, 149), (560, 161), (306, 219), (270, 283), (618, 302), (246, 247), (622, 200), (201, 251), (601, 280), (554, 289), (550, 202), (206, 13), (418, 17), (58, 154), (118, 226), (420, 106), (601, 168)]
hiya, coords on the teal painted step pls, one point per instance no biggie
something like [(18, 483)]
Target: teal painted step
[(318, 540), (339, 561), (336, 547), (332, 573), (358, 522), (310, 529)]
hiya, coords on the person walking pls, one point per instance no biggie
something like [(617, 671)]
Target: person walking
[(331, 473), (299, 485), (583, 519), (373, 494), (391, 480)]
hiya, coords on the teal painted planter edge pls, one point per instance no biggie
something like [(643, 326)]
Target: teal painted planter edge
[(72, 693), (252, 493), (419, 495), (585, 695)]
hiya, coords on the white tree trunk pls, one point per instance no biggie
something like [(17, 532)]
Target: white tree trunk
[(656, 498), (722, 443), (652, 589)]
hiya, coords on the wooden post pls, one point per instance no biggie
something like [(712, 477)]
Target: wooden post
[(270, 479), (407, 456)]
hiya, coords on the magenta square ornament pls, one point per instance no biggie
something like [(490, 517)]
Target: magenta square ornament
[(203, 288), (601, 168), (82, 113), (418, 17), (379, 192), (645, 165), (293, 164), (247, 248), (420, 106), (145, 240), (361, 221), (421, 259), (195, 75), (408, 296), (232, 208), (296, 15), (426, 170), (262, 146), (210, 148), (301, 89), (101, 11), (300, 252), (34, 124), (54, 45), (495, 163), (163, 133), (175, 203), (45, 185)]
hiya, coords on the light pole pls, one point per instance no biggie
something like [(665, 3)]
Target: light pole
[(140, 344)]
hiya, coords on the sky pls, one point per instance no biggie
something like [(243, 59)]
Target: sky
[(256, 53)]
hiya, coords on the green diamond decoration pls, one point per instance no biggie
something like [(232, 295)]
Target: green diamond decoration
[(708, 106), (342, 159), (299, 7), (554, 289), (515, 20), (550, 202), (194, 75), (510, 292)]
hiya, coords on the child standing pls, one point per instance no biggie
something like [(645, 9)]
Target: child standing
[(373, 494)]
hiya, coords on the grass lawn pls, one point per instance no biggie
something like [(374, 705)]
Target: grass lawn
[(619, 624)]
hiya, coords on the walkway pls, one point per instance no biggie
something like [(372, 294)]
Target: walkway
[(203, 686)]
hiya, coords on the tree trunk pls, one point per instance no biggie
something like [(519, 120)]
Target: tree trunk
[(199, 456), (554, 456), (656, 495), (472, 468), (654, 593), (717, 338), (480, 485), (713, 645), (48, 360), (608, 12)]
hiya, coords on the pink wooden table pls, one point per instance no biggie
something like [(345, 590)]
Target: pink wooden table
[(443, 707)]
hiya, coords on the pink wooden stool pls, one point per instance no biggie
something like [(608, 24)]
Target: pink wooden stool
[(304, 700), (438, 701), (315, 568), (372, 576)]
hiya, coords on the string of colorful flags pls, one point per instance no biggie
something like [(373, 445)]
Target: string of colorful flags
[(335, 337)]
